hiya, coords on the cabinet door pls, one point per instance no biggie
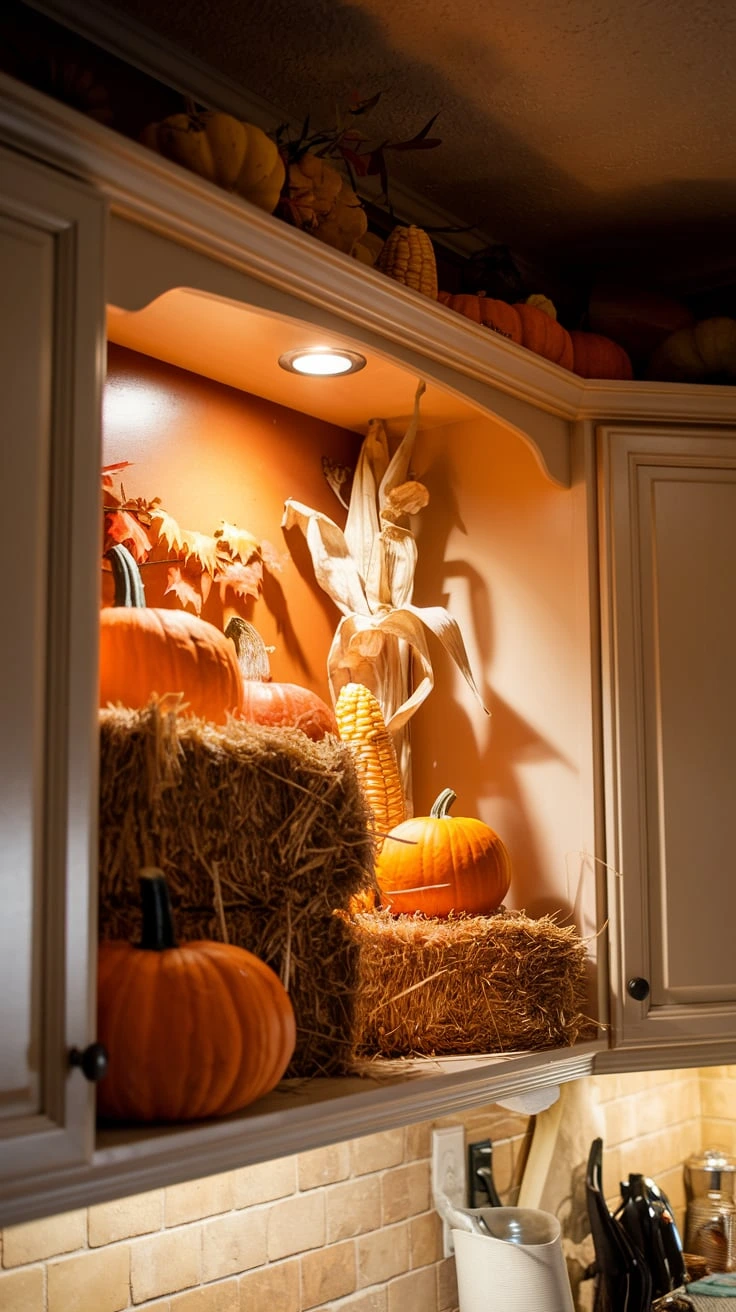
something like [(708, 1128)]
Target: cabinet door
[(668, 502), (51, 340)]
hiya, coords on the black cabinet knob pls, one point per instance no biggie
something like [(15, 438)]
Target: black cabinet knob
[(92, 1062), (638, 988)]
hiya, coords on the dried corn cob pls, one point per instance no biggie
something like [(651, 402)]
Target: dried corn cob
[(408, 257), (361, 725)]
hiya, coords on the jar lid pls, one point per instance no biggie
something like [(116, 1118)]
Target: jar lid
[(712, 1159)]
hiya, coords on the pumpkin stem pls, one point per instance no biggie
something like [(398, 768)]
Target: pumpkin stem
[(158, 930), (441, 808), (250, 650), (126, 577)]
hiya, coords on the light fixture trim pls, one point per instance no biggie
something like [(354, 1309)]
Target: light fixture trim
[(344, 361)]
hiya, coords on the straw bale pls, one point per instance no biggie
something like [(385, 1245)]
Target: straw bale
[(469, 984), (261, 833)]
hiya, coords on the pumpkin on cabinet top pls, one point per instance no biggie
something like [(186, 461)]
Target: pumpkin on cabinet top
[(595, 356), (541, 333), (149, 651), (496, 315), (440, 864), (705, 353), (636, 318), (283, 705), (234, 155), (192, 1031)]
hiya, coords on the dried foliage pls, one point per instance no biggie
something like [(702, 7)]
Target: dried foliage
[(261, 834), (230, 557), (469, 984)]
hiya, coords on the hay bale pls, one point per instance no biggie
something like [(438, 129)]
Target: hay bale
[(470, 984), (261, 833)]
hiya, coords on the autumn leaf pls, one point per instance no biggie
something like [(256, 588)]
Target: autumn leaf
[(109, 470), (167, 530), (245, 580), (120, 527), (201, 548), (186, 587), (241, 544), (272, 559)]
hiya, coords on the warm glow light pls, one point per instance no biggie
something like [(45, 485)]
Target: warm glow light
[(322, 362)]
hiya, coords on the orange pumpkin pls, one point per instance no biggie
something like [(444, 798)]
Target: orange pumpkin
[(153, 651), (192, 1031), (595, 356), (438, 864), (497, 315), (541, 333), (280, 705), (635, 317)]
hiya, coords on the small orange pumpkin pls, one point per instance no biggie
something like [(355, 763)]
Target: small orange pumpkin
[(146, 651), (595, 356), (280, 705), (192, 1031), (497, 315), (438, 864)]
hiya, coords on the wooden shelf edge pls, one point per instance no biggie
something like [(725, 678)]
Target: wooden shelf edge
[(296, 1117)]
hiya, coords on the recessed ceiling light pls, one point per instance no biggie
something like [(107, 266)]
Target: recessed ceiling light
[(322, 362)]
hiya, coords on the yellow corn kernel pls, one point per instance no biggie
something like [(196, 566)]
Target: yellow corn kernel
[(408, 257), (361, 725)]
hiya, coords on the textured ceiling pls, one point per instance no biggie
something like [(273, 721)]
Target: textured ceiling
[(576, 131)]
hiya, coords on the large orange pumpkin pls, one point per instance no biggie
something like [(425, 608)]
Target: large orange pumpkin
[(151, 651), (192, 1031), (595, 356), (497, 315), (280, 705), (541, 333), (438, 864)]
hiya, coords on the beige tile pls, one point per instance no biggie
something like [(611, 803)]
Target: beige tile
[(328, 1273), (383, 1254), (425, 1239), (126, 1217), (405, 1191), (90, 1281), (223, 1296), (264, 1182), (323, 1166), (376, 1152), (414, 1292), (275, 1287), (165, 1263), (352, 1208), (233, 1243), (418, 1141), (717, 1099), (23, 1291), (198, 1198), (35, 1240), (296, 1224), (447, 1297), (370, 1300)]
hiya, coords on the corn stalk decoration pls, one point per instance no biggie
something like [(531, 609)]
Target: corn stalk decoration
[(368, 571)]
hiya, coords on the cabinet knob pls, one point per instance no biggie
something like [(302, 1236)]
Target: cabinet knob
[(638, 988), (92, 1062)]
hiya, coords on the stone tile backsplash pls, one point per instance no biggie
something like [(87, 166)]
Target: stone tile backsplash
[(347, 1228)]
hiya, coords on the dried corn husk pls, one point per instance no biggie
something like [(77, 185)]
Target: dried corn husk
[(368, 571)]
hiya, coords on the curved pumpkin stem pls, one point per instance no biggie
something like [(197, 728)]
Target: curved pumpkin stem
[(126, 577), (440, 809), (157, 934), (250, 650)]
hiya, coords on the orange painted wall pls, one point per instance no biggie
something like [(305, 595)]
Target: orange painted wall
[(211, 453)]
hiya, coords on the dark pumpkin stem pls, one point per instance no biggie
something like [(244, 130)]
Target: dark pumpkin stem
[(441, 808), (126, 577), (158, 929), (250, 650)]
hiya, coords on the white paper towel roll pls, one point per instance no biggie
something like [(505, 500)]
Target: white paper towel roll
[(498, 1273)]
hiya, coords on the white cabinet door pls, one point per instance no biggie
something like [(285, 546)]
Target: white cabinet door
[(668, 540), (51, 343)]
